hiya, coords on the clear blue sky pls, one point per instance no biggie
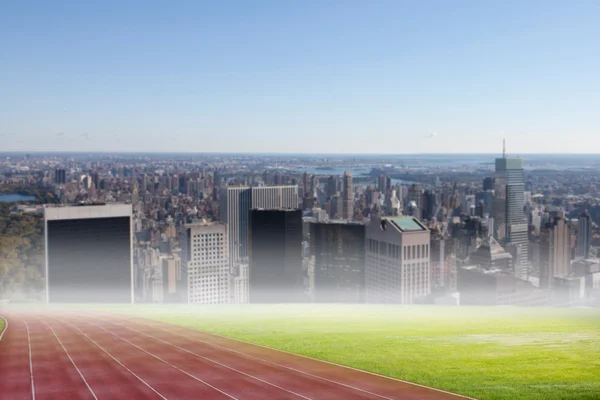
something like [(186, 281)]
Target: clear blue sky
[(300, 76)]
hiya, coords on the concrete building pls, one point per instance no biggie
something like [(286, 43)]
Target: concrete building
[(236, 203), (338, 257), (89, 254), (555, 254), (397, 260), (240, 283), (509, 219), (275, 254), (205, 263)]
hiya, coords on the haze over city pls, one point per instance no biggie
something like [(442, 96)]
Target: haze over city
[(300, 77)]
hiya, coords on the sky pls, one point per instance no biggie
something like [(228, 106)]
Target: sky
[(300, 76)]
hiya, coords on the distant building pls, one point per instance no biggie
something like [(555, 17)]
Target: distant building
[(491, 256), (488, 184), (416, 195), (205, 262), (60, 176), (275, 254), (171, 279), (397, 260), (555, 254), (509, 219), (338, 253), (478, 286), (584, 235), (89, 254), (348, 197)]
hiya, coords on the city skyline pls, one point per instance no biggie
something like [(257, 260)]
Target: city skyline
[(304, 78)]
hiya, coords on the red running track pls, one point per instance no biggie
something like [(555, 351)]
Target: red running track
[(105, 356)]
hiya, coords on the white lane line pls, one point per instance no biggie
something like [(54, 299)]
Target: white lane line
[(166, 362), (212, 361), (460, 396), (72, 362), (278, 365), (30, 361), (4, 329), (117, 361)]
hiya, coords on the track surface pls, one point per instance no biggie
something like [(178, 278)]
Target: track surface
[(104, 356)]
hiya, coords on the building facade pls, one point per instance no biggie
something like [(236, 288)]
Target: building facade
[(509, 219), (397, 260), (236, 203), (205, 262), (338, 258), (89, 254), (275, 244)]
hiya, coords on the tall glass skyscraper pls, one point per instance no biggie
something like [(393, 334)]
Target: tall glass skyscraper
[(510, 223)]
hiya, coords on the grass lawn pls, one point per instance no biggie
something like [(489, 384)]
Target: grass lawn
[(488, 353)]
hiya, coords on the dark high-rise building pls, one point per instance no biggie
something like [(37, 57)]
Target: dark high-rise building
[(275, 253), (486, 199), (237, 201), (488, 183), (338, 252), (584, 235), (382, 183), (95, 180), (306, 183), (510, 223), (60, 176), (331, 186), (348, 196), (89, 256)]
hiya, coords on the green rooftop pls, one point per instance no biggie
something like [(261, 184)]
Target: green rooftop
[(407, 224)]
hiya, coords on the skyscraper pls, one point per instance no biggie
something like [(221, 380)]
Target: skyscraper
[(509, 219), (236, 203), (89, 256), (205, 263), (338, 253), (555, 255), (331, 186), (584, 235), (397, 260), (416, 194), (348, 197), (275, 254)]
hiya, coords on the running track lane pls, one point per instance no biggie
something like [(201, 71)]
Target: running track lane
[(237, 353), (244, 378), (155, 360), (15, 377)]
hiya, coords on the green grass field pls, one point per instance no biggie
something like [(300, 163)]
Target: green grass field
[(488, 353)]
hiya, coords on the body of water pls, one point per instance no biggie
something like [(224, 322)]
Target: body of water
[(12, 198)]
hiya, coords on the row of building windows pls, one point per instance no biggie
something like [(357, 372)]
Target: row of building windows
[(409, 252)]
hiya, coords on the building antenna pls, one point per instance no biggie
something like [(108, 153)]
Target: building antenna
[(503, 148)]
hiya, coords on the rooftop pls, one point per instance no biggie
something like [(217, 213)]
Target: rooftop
[(407, 224)]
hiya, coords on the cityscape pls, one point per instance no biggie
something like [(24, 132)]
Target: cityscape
[(213, 229), (310, 200)]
